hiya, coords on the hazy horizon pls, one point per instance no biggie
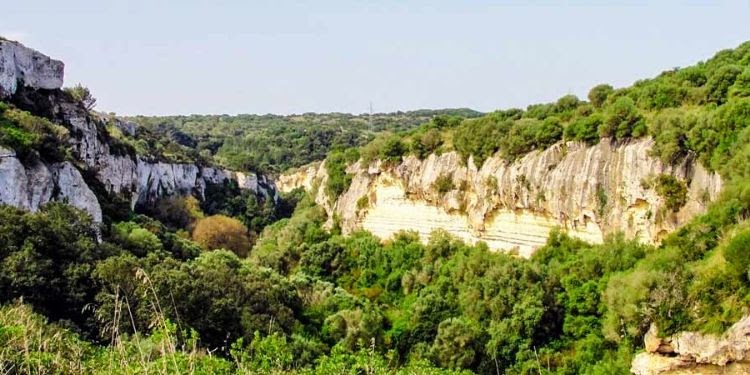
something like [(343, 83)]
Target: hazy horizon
[(193, 57)]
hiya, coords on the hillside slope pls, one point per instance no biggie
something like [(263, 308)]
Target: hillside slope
[(88, 164)]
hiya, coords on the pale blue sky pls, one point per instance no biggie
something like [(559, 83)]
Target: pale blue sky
[(189, 56)]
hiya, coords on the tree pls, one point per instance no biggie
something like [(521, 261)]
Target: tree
[(741, 87), (599, 94), (719, 83), (222, 232), (82, 94), (622, 120), (392, 149), (456, 344), (737, 254)]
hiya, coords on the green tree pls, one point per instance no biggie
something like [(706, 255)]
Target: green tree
[(598, 94), (622, 120)]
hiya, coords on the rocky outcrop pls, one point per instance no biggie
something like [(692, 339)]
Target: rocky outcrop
[(31, 81), (72, 189), (35, 184), (25, 66), (696, 353), (589, 192)]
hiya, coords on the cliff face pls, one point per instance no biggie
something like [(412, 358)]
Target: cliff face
[(32, 82), (587, 191), (27, 66), (696, 353)]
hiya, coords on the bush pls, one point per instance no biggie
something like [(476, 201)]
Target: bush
[(427, 143), (598, 94), (222, 232), (479, 138), (719, 83), (672, 190), (82, 95), (585, 129), (338, 180), (737, 254), (443, 184), (392, 149), (622, 120)]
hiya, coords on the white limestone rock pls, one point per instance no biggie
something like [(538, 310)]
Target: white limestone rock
[(13, 180), (73, 190), (588, 191), (20, 64)]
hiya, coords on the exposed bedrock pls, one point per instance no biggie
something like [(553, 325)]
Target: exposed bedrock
[(588, 191)]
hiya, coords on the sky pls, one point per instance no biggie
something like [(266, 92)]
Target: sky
[(157, 57)]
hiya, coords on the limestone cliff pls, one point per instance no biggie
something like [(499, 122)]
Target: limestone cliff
[(32, 82), (19, 64), (696, 353), (588, 191)]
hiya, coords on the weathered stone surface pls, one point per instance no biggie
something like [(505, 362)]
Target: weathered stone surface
[(13, 181), (30, 187), (29, 184), (697, 353), (73, 190), (587, 191), (20, 64)]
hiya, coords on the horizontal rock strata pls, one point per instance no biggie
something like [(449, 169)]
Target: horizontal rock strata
[(588, 191)]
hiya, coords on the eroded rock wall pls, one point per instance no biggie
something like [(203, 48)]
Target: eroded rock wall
[(25, 66), (36, 183), (696, 353), (588, 191), (32, 81)]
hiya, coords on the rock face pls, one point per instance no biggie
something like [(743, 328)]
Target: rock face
[(31, 81), (31, 186), (587, 191), (25, 66), (696, 353)]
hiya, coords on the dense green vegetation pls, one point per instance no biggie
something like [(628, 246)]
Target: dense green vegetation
[(159, 295), (30, 135), (700, 109), (273, 144)]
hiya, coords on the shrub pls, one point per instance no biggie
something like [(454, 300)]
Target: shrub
[(598, 94), (737, 254), (719, 83), (622, 120), (222, 232), (83, 95), (585, 129), (672, 190), (338, 180), (392, 149), (443, 184), (363, 202)]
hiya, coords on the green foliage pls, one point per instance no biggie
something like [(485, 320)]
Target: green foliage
[(585, 129), (338, 180), (479, 137), (443, 184), (25, 133), (719, 83), (741, 86), (426, 143), (82, 94), (308, 300), (672, 190), (47, 258), (622, 120), (273, 144), (392, 149), (737, 254), (598, 94)]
